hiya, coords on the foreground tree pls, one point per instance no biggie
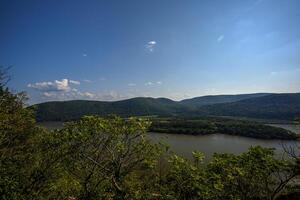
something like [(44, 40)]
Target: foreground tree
[(108, 156), (25, 168), (255, 174), (16, 127)]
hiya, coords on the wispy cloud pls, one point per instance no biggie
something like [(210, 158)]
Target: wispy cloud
[(273, 73), (70, 95), (220, 38), (65, 89), (74, 82), (75, 94), (87, 80), (131, 84), (151, 45), (149, 83), (62, 85), (288, 72), (84, 55)]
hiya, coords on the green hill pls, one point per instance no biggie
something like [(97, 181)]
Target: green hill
[(266, 106), (214, 99), (140, 106), (274, 106)]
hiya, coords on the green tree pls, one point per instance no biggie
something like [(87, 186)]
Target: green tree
[(107, 156), (256, 174), (24, 171), (16, 125), (185, 178)]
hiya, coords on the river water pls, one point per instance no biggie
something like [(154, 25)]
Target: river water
[(208, 144)]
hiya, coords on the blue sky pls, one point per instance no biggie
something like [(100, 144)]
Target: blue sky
[(115, 49)]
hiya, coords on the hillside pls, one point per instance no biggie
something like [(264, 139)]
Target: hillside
[(274, 106), (69, 110), (214, 99), (266, 106)]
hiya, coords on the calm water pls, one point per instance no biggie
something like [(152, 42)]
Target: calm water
[(216, 143), (208, 144), (291, 127)]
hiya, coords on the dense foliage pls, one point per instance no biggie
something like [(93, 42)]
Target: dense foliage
[(205, 125), (111, 158), (266, 106)]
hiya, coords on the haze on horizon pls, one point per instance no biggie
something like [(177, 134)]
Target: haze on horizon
[(112, 50)]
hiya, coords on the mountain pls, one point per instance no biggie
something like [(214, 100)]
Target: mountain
[(69, 110), (273, 106), (214, 99), (262, 105)]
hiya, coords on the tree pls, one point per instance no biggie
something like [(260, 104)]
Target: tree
[(255, 174), (24, 171), (106, 156)]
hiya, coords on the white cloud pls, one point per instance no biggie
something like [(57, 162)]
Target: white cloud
[(220, 38), (70, 95), (84, 55), (74, 82), (47, 94), (178, 96), (153, 83), (88, 95), (131, 84), (76, 94), (87, 80), (148, 83), (287, 72), (273, 73), (62, 85), (62, 90), (150, 45)]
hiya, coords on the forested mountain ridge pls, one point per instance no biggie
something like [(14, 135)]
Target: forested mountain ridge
[(274, 106), (70, 110), (214, 99), (260, 105)]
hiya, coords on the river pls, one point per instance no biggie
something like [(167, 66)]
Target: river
[(208, 144)]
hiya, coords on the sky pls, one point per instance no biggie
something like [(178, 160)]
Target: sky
[(115, 49)]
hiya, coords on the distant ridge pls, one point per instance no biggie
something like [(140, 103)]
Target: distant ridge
[(273, 106), (214, 99), (259, 105), (139, 106)]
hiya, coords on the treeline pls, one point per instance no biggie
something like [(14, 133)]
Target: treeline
[(211, 125), (111, 158)]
